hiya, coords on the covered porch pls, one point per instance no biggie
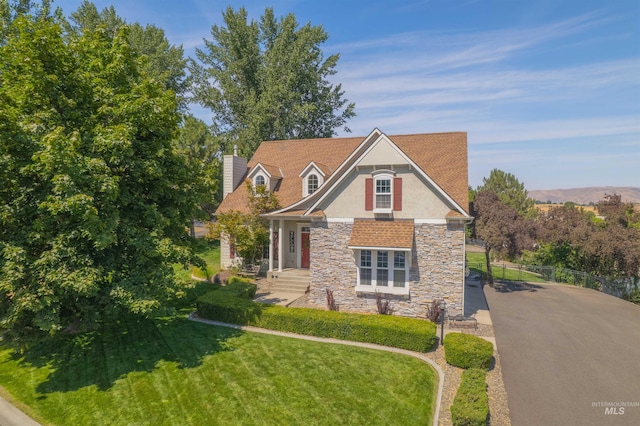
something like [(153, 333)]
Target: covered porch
[(289, 243)]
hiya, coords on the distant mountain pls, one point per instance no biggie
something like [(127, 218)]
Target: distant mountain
[(586, 195)]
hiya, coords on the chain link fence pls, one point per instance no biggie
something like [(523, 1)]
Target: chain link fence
[(534, 273)]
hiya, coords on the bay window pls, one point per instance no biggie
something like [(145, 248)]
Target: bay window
[(386, 271)]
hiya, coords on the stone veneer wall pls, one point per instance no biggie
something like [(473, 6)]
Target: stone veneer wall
[(437, 270)]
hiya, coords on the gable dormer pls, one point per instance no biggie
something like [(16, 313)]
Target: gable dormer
[(265, 175), (313, 176)]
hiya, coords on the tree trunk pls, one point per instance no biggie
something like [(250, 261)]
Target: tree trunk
[(487, 249), (192, 228)]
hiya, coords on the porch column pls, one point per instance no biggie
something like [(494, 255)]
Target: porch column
[(280, 255), (270, 245)]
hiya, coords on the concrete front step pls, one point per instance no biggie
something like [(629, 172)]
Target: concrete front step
[(290, 280), (288, 288), (290, 284), (294, 274)]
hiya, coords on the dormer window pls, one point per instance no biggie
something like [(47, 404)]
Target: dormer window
[(259, 181), (312, 184), (313, 177)]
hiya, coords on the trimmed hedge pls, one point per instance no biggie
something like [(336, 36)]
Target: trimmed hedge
[(405, 333), (241, 287), (471, 404), (467, 351)]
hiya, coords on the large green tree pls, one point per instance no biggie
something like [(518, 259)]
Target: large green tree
[(12, 9), (510, 191), (606, 247), (94, 197), (163, 60), (503, 231), (268, 80), (201, 151)]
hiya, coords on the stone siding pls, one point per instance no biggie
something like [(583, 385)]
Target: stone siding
[(332, 264), (436, 272)]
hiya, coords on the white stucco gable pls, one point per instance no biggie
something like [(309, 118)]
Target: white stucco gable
[(382, 153)]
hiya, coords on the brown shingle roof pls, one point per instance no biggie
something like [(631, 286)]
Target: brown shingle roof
[(272, 170), (382, 233), (292, 157), (443, 156), (453, 213), (323, 168)]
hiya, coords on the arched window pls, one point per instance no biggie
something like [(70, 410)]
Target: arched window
[(312, 184), (259, 181)]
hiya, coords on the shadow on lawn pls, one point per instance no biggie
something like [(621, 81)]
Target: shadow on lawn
[(122, 347)]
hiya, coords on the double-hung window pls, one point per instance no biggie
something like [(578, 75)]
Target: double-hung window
[(382, 269), (383, 193), (365, 267)]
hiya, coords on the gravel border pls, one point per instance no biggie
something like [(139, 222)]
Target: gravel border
[(498, 403)]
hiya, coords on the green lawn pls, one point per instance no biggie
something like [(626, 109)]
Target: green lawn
[(209, 251), (173, 371), (477, 263)]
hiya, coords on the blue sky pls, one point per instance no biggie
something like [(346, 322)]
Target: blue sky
[(547, 90)]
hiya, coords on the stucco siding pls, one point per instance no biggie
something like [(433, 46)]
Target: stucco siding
[(418, 201)]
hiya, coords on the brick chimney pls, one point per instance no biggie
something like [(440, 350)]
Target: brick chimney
[(234, 168)]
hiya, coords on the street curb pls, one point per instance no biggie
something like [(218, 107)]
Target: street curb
[(436, 415)]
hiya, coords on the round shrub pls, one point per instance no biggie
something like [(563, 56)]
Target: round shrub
[(467, 351)]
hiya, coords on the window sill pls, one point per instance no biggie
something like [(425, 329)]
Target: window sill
[(383, 211), (383, 290)]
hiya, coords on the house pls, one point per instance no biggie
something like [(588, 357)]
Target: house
[(363, 215)]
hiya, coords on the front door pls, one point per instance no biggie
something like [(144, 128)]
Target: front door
[(305, 260)]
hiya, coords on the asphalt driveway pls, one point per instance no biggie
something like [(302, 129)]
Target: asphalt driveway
[(570, 356)]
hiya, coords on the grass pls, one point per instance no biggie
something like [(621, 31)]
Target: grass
[(209, 251), (477, 263), (172, 371)]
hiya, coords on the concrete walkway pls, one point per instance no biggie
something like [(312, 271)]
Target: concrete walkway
[(277, 298), (474, 301), (11, 416), (570, 356)]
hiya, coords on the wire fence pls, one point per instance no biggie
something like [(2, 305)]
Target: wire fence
[(535, 273)]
